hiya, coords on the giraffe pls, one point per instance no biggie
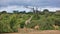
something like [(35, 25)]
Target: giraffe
[(28, 21)]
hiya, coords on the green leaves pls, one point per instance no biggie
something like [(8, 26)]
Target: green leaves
[(11, 22)]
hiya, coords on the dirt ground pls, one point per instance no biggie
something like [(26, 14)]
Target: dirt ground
[(38, 32)]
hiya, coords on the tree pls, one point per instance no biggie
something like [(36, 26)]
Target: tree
[(29, 12), (16, 11), (22, 12), (57, 12), (0, 13), (37, 14), (46, 12), (4, 12)]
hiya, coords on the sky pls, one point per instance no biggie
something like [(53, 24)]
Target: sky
[(10, 5)]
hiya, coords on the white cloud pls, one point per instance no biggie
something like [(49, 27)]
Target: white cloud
[(11, 8), (51, 9)]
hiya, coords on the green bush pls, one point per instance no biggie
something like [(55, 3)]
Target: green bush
[(11, 22)]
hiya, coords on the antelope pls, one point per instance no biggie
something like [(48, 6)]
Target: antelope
[(55, 26), (36, 27)]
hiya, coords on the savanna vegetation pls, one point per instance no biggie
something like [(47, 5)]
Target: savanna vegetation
[(46, 20)]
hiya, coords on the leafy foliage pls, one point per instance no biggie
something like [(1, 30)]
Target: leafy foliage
[(11, 22)]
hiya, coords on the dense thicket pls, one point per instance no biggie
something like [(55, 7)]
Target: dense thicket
[(10, 22)]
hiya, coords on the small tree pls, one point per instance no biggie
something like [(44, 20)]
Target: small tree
[(4, 12), (16, 11), (23, 12), (46, 12)]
